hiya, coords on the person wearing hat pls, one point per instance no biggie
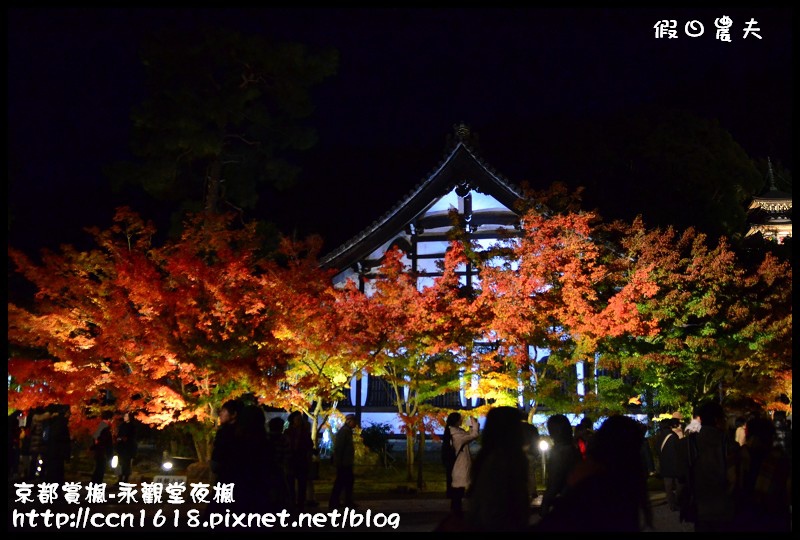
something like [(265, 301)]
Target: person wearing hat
[(344, 453)]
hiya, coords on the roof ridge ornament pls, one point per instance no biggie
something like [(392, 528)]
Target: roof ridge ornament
[(453, 170), (462, 131), (462, 134), (771, 175)]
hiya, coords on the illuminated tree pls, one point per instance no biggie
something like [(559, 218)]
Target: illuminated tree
[(562, 286), (724, 330), (170, 332), (422, 339), (319, 329), (655, 312)]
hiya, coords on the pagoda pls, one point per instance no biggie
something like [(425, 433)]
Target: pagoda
[(770, 214)]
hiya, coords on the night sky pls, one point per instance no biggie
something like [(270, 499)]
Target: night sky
[(405, 78)]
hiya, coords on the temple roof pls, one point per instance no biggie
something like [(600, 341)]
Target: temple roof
[(771, 212), (461, 165), (773, 194)]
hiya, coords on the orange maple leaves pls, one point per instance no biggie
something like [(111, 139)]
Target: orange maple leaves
[(173, 330)]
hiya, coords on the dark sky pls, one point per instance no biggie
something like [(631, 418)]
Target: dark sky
[(405, 78)]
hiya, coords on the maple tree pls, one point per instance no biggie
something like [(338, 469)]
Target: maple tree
[(646, 311), (562, 286), (724, 329), (421, 339), (170, 332), (404, 367), (319, 330)]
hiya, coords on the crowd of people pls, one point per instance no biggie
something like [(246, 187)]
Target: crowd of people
[(727, 479), (716, 476), (273, 468), (40, 445), (270, 464)]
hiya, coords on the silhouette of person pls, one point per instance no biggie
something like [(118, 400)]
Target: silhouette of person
[(102, 447), (668, 446), (499, 499), (277, 459), (301, 448), (458, 475), (24, 469), (251, 471), (712, 458), (313, 471), (59, 444), (646, 452), (530, 445), (14, 445), (344, 453), (225, 455), (224, 451), (764, 479), (563, 457), (583, 433), (608, 491), (35, 443), (741, 433), (126, 446)]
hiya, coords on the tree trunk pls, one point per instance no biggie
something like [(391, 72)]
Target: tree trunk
[(420, 455), (410, 455), (314, 415), (403, 406), (203, 443)]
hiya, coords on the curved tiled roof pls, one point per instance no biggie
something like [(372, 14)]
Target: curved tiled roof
[(770, 210), (449, 172), (774, 195)]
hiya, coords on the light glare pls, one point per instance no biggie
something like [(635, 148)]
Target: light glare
[(544, 446)]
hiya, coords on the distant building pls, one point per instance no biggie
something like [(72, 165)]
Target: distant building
[(770, 214)]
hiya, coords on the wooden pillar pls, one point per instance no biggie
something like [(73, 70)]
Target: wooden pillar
[(361, 288)]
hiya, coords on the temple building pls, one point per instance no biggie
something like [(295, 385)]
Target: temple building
[(485, 204), (770, 214), (419, 224)]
